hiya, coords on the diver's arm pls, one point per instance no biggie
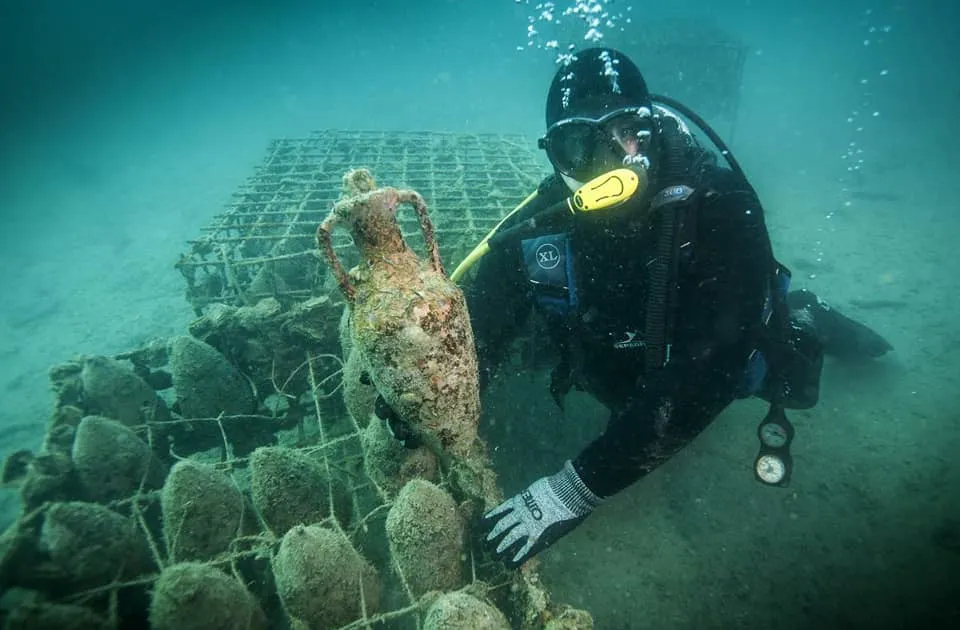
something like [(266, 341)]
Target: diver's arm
[(652, 427), (715, 342)]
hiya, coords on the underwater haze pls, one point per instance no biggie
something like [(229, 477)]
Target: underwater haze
[(125, 127)]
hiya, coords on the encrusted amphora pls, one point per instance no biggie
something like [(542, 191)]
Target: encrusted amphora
[(407, 318)]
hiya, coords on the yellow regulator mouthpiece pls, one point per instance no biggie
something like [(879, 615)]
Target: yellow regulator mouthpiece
[(607, 190)]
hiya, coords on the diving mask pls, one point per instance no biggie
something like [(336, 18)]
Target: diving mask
[(582, 148)]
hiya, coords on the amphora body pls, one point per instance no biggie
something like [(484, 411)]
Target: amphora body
[(407, 318)]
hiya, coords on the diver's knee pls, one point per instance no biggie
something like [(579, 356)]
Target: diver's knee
[(801, 299), (795, 379)]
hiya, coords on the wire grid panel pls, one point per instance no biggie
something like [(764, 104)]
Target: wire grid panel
[(693, 61), (263, 243)]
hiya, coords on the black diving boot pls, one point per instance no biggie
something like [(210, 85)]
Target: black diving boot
[(841, 336)]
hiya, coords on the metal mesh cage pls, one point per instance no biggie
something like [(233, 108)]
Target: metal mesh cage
[(263, 243), (693, 61)]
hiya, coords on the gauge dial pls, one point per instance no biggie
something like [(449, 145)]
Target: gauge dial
[(770, 469), (773, 435)]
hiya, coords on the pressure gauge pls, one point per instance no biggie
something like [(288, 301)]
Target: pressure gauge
[(770, 469), (774, 465), (773, 435)]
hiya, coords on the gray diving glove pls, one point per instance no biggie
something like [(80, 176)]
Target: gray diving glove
[(522, 526)]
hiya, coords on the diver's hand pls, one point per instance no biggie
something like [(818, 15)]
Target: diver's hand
[(525, 524)]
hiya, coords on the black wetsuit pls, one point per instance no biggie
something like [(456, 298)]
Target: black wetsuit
[(722, 282)]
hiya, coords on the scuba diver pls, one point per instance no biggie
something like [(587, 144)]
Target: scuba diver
[(648, 256)]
